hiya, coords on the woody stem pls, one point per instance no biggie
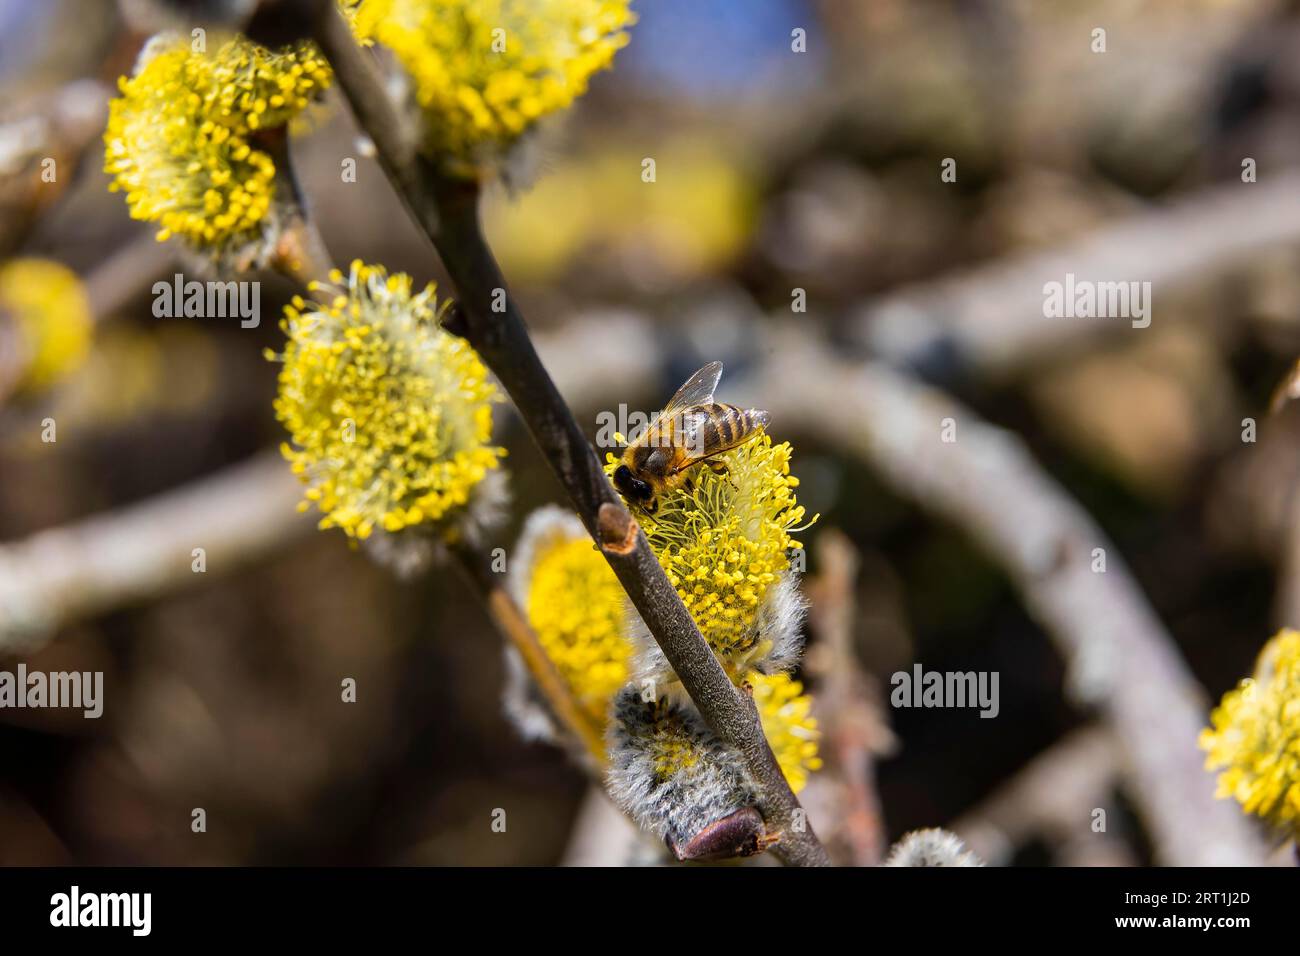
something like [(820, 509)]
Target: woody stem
[(446, 209)]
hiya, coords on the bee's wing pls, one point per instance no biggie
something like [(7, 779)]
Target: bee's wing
[(690, 437), (698, 390)]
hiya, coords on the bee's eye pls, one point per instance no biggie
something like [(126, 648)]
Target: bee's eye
[(630, 485)]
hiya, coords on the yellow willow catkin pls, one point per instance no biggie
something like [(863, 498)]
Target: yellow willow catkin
[(1254, 740), (181, 135), (389, 415), (725, 540), (52, 319), (484, 71), (576, 607)]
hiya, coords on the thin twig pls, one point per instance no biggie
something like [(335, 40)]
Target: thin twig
[(447, 210), (299, 252), (514, 626), (847, 705)]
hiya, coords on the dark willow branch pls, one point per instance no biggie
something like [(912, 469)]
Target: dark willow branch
[(447, 210), (299, 251)]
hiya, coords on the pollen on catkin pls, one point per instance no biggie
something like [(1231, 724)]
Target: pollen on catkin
[(181, 138), (46, 307), (725, 540), (1254, 740), (576, 607), (484, 71), (791, 730), (389, 415)]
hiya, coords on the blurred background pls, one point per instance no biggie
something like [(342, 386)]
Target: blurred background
[(776, 171)]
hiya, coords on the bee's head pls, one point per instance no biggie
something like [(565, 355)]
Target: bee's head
[(632, 487)]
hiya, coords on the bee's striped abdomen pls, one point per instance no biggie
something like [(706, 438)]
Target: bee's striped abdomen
[(727, 426)]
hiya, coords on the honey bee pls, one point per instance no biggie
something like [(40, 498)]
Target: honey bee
[(691, 429)]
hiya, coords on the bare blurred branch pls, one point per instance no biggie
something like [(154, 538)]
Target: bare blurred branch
[(112, 284), (988, 321), (238, 517), (42, 140)]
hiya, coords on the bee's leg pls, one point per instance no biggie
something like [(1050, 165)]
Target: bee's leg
[(719, 467), (650, 506)]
